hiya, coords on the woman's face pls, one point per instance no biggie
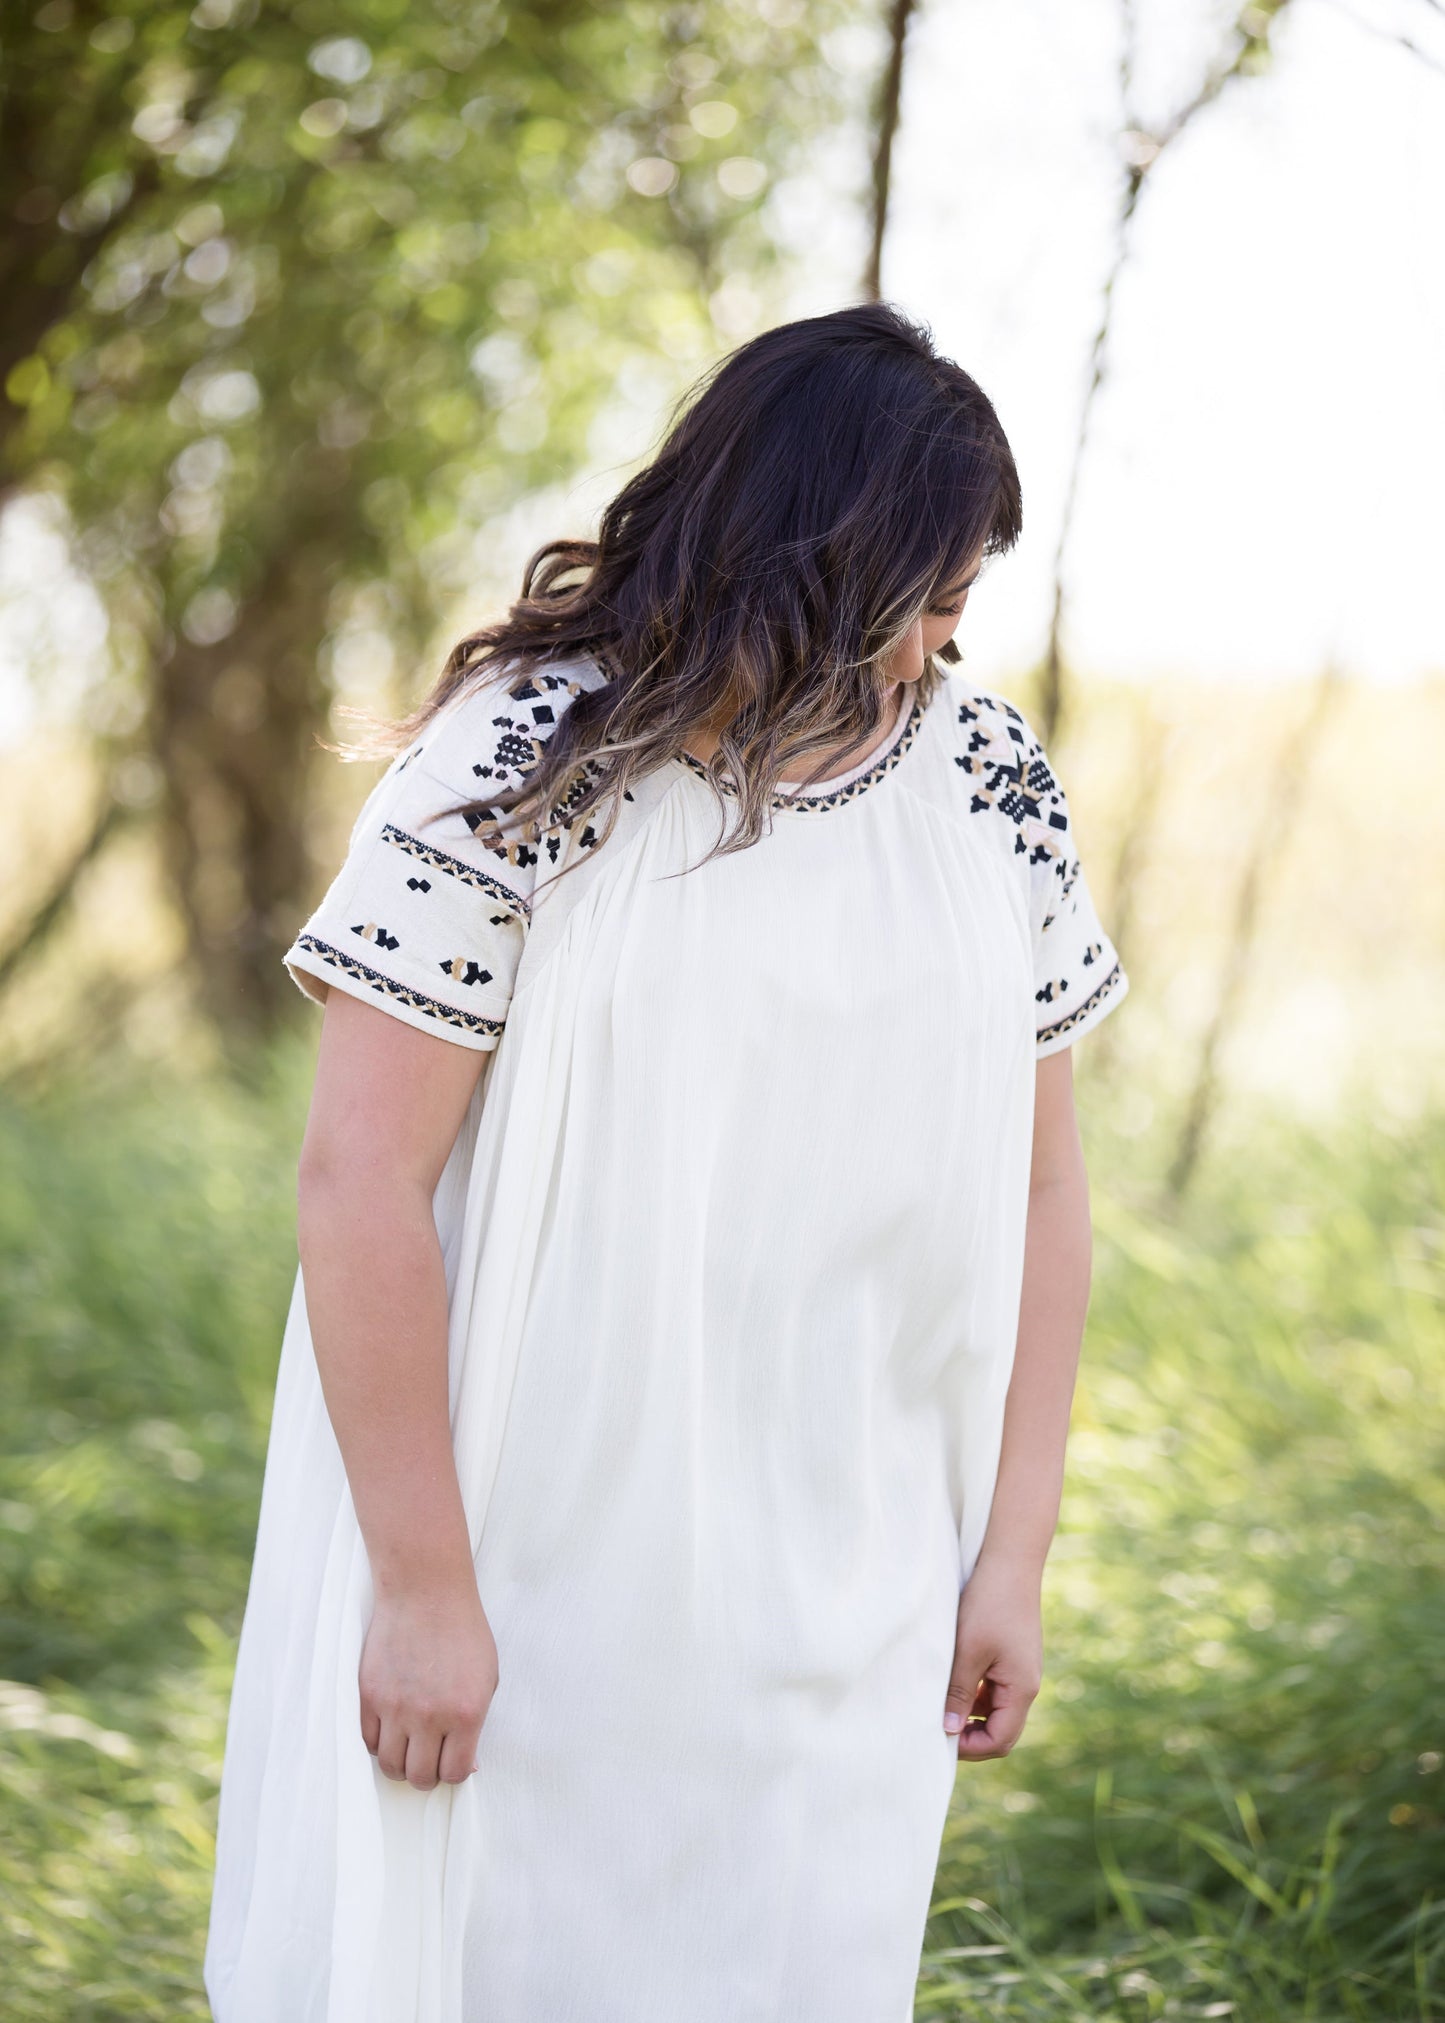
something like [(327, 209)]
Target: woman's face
[(937, 625)]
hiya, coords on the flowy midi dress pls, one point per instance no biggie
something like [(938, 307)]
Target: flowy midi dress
[(733, 1237)]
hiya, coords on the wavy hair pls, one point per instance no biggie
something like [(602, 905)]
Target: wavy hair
[(816, 492)]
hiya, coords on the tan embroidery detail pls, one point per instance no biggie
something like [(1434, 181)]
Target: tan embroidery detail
[(471, 1022), (1081, 1011), (467, 874)]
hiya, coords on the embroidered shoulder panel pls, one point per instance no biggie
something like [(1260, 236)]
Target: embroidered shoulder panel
[(1007, 772), (524, 724)]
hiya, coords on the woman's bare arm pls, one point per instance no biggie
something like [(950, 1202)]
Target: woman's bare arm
[(1058, 1254), (387, 1104), (998, 1658)]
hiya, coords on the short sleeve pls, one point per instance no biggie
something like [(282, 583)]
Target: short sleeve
[(423, 920), (1078, 977)]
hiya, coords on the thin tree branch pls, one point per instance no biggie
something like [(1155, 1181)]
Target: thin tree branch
[(1141, 150), (885, 131), (1280, 811), (52, 908), (1150, 772), (1397, 36)]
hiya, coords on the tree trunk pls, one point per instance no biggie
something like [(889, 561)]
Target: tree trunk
[(233, 727), (885, 128)]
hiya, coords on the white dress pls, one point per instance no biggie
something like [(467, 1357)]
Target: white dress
[(733, 1237)]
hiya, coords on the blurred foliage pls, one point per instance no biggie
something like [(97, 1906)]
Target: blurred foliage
[(294, 298), (1230, 1800), (148, 1252), (1234, 1802)]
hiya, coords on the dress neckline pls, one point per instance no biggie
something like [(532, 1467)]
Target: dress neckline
[(831, 793)]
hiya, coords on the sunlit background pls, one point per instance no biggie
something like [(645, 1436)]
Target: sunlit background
[(314, 322)]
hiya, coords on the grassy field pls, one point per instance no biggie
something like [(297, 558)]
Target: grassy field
[(1230, 1799)]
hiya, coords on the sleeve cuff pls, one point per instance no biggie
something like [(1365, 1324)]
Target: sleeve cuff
[(1065, 1026), (317, 966)]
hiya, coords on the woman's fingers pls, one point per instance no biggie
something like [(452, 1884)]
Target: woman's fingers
[(997, 1733), (986, 1712), (420, 1756), (391, 1749), (427, 1676), (459, 1755), (966, 1687), (423, 1753)]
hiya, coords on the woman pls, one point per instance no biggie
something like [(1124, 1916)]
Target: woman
[(694, 1246)]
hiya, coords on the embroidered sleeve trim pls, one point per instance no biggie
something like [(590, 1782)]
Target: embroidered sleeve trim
[(1081, 1011), (471, 1022), (467, 874)]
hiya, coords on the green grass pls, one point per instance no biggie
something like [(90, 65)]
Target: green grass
[(1229, 1800)]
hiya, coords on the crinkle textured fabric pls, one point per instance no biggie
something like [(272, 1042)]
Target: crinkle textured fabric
[(733, 1235)]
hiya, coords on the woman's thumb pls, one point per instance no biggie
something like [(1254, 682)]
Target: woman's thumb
[(969, 1665)]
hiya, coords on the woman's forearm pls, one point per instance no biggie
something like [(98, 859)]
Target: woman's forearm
[(1053, 1304), (376, 1300)]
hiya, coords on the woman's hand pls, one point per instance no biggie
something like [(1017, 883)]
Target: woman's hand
[(428, 1673), (998, 1659)]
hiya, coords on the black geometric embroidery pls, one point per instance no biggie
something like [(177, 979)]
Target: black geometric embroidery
[(371, 932), (418, 885), (524, 734), (525, 720), (1081, 1011), (454, 867), (471, 1022), (461, 969), (525, 723), (1007, 770), (519, 854), (815, 800), (515, 752), (1058, 987)]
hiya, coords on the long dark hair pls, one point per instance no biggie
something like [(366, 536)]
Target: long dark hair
[(815, 493)]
